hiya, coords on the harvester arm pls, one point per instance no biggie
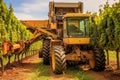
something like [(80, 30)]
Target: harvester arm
[(46, 33), (19, 46), (38, 35), (41, 30)]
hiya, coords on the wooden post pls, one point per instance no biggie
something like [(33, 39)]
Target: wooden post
[(2, 65), (107, 57), (117, 56)]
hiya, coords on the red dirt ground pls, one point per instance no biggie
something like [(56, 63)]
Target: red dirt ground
[(23, 71)]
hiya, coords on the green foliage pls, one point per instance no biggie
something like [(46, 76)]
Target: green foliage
[(36, 46), (10, 27), (2, 30), (105, 27)]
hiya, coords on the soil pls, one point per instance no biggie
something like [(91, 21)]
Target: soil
[(24, 70), (21, 71)]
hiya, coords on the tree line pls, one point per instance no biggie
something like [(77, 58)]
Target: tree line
[(12, 30), (10, 27)]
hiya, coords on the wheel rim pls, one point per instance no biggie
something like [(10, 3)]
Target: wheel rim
[(53, 61)]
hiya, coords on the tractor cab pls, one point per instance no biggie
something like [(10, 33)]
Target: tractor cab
[(76, 28)]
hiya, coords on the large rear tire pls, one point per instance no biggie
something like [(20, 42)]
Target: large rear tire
[(58, 61), (99, 57), (46, 52)]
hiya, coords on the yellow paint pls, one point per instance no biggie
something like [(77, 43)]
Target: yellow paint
[(53, 26), (92, 61), (53, 60), (76, 15), (76, 40)]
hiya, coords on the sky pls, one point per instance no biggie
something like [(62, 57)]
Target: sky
[(38, 9)]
